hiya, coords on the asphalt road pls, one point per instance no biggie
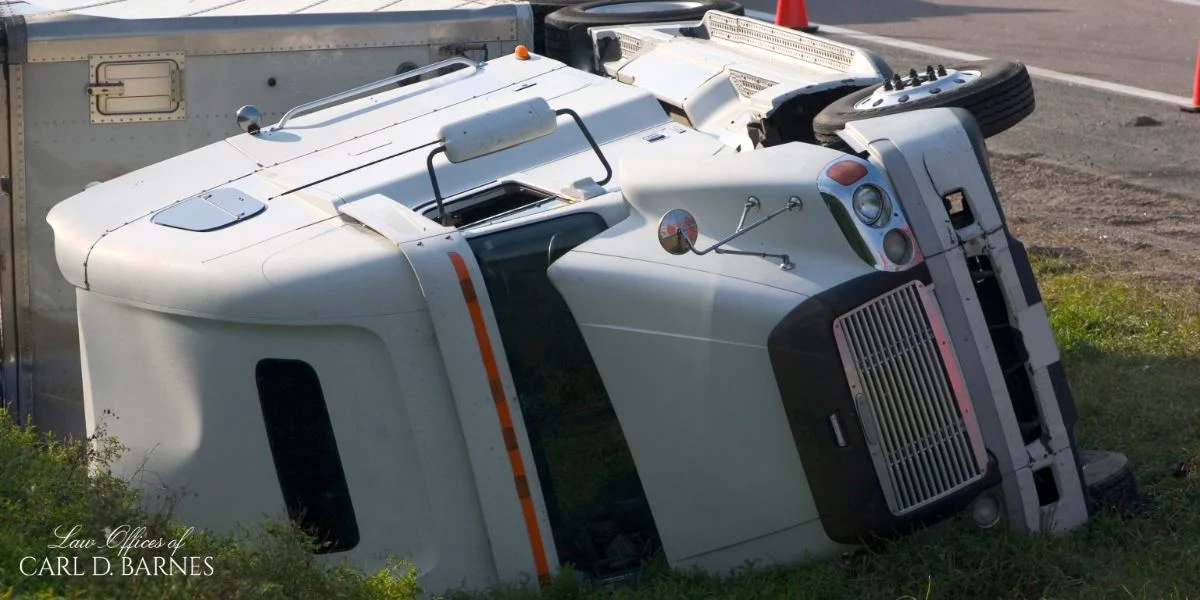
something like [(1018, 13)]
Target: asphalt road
[(1150, 44)]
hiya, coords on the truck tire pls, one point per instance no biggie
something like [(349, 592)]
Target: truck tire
[(565, 29), (1109, 480), (541, 8), (998, 93)]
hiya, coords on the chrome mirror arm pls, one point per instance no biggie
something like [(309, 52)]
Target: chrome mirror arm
[(752, 203), (785, 263)]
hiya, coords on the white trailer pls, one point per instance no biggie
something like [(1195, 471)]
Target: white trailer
[(94, 90), (520, 316)]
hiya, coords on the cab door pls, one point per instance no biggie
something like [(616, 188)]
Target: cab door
[(510, 496), (597, 507)]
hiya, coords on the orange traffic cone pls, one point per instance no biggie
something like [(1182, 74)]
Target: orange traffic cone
[(1195, 107), (792, 14)]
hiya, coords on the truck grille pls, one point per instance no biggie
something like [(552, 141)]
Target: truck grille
[(910, 397)]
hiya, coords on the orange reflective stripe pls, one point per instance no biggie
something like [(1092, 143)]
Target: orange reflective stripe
[(506, 426)]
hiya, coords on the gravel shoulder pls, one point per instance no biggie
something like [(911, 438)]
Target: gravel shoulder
[(1129, 230)]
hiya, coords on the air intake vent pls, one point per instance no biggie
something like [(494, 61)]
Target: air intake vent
[(775, 39), (630, 45), (748, 85)]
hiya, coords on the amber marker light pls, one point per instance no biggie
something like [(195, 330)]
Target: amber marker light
[(846, 172)]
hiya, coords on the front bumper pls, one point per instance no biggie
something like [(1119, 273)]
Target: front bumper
[(992, 312)]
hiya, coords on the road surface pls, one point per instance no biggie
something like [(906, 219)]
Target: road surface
[(1145, 43)]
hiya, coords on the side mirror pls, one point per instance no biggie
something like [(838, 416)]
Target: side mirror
[(248, 118), (677, 231)]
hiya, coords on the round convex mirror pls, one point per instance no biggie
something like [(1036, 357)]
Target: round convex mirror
[(677, 231)]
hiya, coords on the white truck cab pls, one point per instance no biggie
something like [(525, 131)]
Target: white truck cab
[(518, 316)]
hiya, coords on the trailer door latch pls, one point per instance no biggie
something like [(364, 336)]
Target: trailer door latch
[(113, 88)]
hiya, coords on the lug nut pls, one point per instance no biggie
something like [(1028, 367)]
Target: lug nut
[(887, 85), (912, 75), (941, 70), (897, 82), (930, 74)]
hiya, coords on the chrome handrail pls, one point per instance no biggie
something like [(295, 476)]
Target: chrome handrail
[(303, 108)]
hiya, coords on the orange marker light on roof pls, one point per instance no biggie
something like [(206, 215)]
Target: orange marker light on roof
[(522, 53), (846, 172)]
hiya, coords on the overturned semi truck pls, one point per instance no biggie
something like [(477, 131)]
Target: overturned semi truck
[(523, 314)]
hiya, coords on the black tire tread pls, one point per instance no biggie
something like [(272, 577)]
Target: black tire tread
[(557, 42), (558, 27), (1113, 490), (541, 9), (577, 14)]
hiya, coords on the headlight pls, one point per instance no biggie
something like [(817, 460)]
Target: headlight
[(869, 204), (897, 247)]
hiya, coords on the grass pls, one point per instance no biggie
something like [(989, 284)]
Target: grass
[(1132, 353)]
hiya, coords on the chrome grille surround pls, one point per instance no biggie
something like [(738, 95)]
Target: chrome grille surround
[(911, 397)]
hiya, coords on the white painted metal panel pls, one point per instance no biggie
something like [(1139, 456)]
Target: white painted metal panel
[(665, 352), (378, 386)]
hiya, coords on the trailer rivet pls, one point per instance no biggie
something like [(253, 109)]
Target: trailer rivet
[(271, 82)]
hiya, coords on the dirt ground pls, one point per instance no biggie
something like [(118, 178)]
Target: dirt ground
[(1127, 229)]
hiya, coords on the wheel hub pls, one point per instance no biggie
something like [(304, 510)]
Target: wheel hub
[(899, 91)]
